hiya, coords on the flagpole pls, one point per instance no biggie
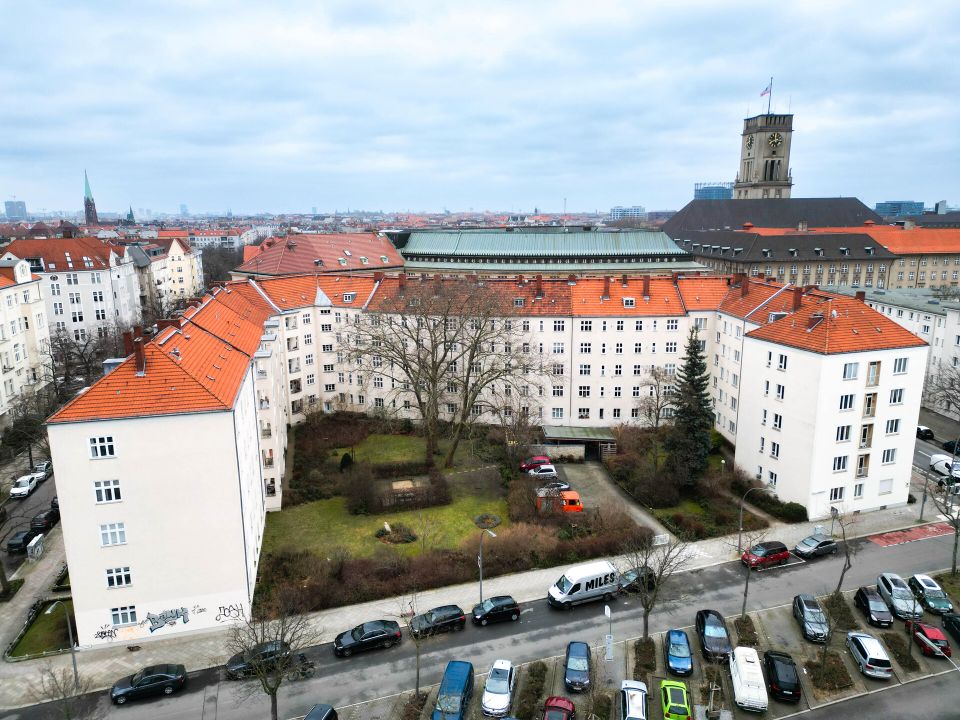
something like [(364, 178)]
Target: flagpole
[(770, 95)]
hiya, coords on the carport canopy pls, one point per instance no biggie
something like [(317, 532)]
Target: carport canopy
[(567, 433)]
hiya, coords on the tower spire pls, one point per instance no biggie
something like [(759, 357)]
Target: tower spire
[(89, 206), (87, 195)]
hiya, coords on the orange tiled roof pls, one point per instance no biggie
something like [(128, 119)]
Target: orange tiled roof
[(662, 298), (894, 238), (296, 254), (53, 252), (705, 292), (296, 291)]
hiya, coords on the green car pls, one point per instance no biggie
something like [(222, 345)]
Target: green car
[(930, 595), (676, 703)]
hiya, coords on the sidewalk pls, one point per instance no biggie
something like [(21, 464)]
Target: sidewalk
[(104, 665)]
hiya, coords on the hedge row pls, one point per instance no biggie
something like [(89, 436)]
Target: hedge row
[(790, 512)]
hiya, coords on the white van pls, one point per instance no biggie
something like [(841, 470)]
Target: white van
[(583, 583), (749, 692)]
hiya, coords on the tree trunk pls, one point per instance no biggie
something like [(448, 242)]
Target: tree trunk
[(274, 714), (847, 564), (448, 460), (646, 624), (746, 589), (430, 445), (4, 581), (418, 669), (956, 541)]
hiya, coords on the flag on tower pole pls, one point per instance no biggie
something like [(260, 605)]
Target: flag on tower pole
[(766, 91)]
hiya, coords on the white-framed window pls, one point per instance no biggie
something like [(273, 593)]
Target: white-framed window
[(583, 413), (634, 413), (311, 379), (772, 479), (774, 449), (843, 433), (125, 615), (308, 360), (673, 324), (557, 391), (586, 325), (559, 325), (840, 463), (638, 369), (885, 486), (636, 391), (889, 455), (618, 348), (836, 494), (780, 392), (584, 369), (850, 370), (777, 421), (558, 348), (782, 362), (896, 396), (308, 338), (899, 366), (858, 491), (585, 347), (671, 347), (846, 402), (556, 413), (893, 426), (102, 446), (583, 391), (118, 577), (113, 534), (617, 391), (107, 491)]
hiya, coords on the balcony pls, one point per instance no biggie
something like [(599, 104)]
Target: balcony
[(268, 462), (270, 489), (266, 433), (264, 404)]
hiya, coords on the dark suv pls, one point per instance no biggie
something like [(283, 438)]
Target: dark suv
[(782, 679), (496, 609), (267, 655), (439, 619), (812, 619), (45, 521), (765, 554), (873, 607), (19, 540)]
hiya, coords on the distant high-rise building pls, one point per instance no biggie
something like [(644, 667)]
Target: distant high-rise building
[(89, 206), (765, 158), (941, 207), (713, 191), (899, 208), (634, 212), (313, 210), (15, 209), (183, 210)]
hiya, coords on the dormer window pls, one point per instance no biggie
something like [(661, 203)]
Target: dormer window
[(342, 261), (766, 252), (818, 252), (793, 252), (363, 260), (347, 253), (844, 251), (629, 302), (384, 259), (868, 250), (518, 302), (348, 297)]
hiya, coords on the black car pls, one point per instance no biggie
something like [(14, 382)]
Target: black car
[(45, 521), (814, 546), (576, 667), (812, 619), (951, 623), (714, 638), (152, 680), (924, 433), (369, 635), (439, 619), (950, 446), (782, 679), (55, 503), (267, 655), (19, 540), (873, 607), (496, 609), (633, 580), (321, 712)]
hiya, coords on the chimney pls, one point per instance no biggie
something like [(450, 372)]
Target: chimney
[(137, 331), (571, 279), (141, 360), (646, 287), (402, 282), (606, 288), (623, 280), (797, 298), (861, 296), (519, 280), (744, 286), (377, 277), (165, 323), (539, 293), (128, 343), (814, 321)]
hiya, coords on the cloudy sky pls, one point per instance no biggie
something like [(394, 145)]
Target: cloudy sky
[(428, 105)]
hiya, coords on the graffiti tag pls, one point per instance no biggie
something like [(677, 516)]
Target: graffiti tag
[(106, 632), (229, 612), (167, 617), (198, 610)]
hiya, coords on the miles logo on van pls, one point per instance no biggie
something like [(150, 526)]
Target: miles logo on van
[(599, 581)]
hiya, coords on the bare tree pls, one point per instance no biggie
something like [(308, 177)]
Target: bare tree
[(946, 499), (655, 565), (58, 688), (751, 538), (660, 396), (279, 622), (943, 387), (406, 611), (845, 521), (516, 411)]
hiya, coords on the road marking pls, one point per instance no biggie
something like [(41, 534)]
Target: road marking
[(528, 610), (922, 532)]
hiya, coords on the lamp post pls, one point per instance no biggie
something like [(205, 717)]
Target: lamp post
[(834, 514), (73, 651), (491, 533), (484, 522), (740, 531)]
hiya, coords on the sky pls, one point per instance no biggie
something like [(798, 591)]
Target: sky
[(507, 106)]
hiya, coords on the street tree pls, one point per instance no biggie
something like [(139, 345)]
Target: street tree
[(218, 262), (946, 500), (406, 611), (688, 442), (63, 694), (942, 388), (656, 563), (278, 620), (844, 521), (751, 538), (659, 398)]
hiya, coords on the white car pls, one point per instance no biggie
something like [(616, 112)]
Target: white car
[(498, 690), (42, 470), (544, 471), (945, 465), (898, 597), (23, 486)]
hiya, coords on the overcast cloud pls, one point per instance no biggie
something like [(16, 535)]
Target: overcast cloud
[(430, 105)]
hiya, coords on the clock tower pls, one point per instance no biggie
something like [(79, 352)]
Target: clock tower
[(765, 158)]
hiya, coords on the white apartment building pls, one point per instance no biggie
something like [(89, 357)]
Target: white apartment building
[(802, 378), (23, 335), (169, 272), (89, 287)]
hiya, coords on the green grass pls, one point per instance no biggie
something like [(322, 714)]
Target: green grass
[(46, 633), (324, 524), (950, 584), (14, 586), (379, 448)]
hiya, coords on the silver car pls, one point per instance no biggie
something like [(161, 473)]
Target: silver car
[(869, 655), (896, 593)]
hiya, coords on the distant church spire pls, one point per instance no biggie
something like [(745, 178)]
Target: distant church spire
[(130, 217), (89, 206)]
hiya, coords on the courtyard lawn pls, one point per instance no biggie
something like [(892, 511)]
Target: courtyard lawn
[(46, 633), (379, 448), (715, 517), (322, 525)]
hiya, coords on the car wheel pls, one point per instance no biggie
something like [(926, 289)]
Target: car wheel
[(461, 626), (515, 617), (121, 700), (484, 622), (567, 606), (608, 597), (346, 652), (784, 561), (387, 644), (168, 690)]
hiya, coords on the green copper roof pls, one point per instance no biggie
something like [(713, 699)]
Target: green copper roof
[(521, 244), (87, 195)]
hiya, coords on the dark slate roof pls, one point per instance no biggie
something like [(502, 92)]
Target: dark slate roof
[(946, 220), (750, 247), (774, 213)]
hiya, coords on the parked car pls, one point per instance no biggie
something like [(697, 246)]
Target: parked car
[(924, 433), (714, 638), (930, 595), (869, 655), (439, 619), (766, 554), (55, 503), (674, 700), (632, 580), (583, 583), (951, 623), (783, 682), (265, 655), (534, 462), (23, 486), (812, 619), (950, 446), (543, 471), (814, 546), (152, 680), (553, 487), (17, 543), (632, 700), (45, 521), (558, 501), (496, 609), (42, 470), (559, 708), (367, 636), (456, 689), (896, 594), (576, 667), (945, 465), (677, 654), (925, 635), (873, 607), (498, 690), (321, 712), (746, 677)]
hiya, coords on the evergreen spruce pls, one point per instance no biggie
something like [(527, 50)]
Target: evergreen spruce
[(688, 442)]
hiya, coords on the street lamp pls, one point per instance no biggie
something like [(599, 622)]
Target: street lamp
[(834, 514), (485, 523), (742, 499), (73, 651), (492, 534)]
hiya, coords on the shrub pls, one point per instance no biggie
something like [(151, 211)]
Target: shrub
[(911, 499), (746, 632), (790, 512), (528, 700), (358, 487), (399, 469), (398, 534), (602, 705), (900, 650), (645, 658), (833, 676), (346, 461), (522, 500)]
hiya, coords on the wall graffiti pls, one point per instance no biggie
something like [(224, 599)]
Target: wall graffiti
[(198, 610), (106, 632), (167, 617), (230, 612)]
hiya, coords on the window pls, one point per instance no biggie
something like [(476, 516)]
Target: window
[(843, 433), (889, 456), (558, 391), (329, 387), (308, 338), (771, 478), (885, 487), (308, 360), (629, 302), (583, 413), (118, 577), (312, 379), (100, 315), (101, 447), (896, 396), (58, 310), (638, 347), (836, 494), (558, 369), (671, 347), (774, 449), (858, 491), (850, 371), (107, 491), (113, 534), (846, 402), (558, 348), (583, 391), (585, 347), (638, 369), (782, 363), (74, 298), (893, 427), (780, 392), (558, 325), (766, 388), (840, 463), (619, 349), (126, 615), (586, 325), (556, 413), (763, 444), (777, 421), (673, 324)]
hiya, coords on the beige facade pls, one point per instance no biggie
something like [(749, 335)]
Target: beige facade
[(926, 270), (764, 170), (827, 272)]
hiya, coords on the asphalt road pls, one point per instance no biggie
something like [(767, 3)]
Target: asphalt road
[(19, 513), (926, 699), (541, 632)]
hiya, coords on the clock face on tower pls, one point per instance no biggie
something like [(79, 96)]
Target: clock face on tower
[(775, 140), (750, 142)]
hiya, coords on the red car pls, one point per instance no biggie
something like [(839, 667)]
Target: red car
[(559, 708), (765, 554), (534, 462), (932, 635)]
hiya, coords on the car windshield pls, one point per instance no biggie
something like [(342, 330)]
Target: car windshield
[(815, 615), (679, 649), (758, 550), (936, 594), (877, 605), (357, 632), (449, 703), (135, 680), (497, 683), (21, 482), (564, 585), (487, 605), (578, 663), (809, 542), (712, 630), (900, 593)]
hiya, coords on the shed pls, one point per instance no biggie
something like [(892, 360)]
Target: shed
[(598, 443)]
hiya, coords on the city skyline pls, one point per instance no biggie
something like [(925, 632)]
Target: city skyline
[(486, 107)]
